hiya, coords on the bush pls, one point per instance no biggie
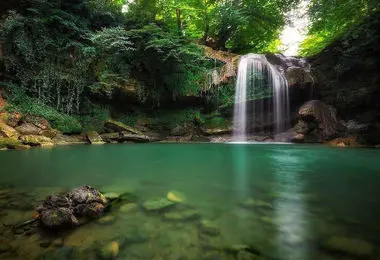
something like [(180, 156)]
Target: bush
[(94, 119), (20, 102)]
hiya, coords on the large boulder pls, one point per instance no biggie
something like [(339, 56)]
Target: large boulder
[(7, 131), (110, 137), (138, 138), (317, 123), (37, 121), (28, 129), (61, 139), (36, 140), (116, 126), (66, 210), (10, 143), (322, 115), (94, 138)]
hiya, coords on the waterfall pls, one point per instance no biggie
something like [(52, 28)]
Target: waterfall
[(257, 80)]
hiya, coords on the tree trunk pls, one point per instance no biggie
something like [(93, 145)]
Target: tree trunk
[(179, 21)]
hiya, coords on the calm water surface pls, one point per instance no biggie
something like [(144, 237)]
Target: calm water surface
[(280, 201)]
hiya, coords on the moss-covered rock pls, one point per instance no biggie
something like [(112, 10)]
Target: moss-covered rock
[(110, 137), (36, 140), (116, 126), (157, 205), (11, 143), (61, 139), (94, 138), (176, 196), (109, 251), (7, 131)]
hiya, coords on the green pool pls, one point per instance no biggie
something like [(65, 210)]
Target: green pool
[(251, 201)]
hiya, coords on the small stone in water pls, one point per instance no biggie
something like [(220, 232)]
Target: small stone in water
[(209, 228), (129, 207), (157, 204), (350, 246), (184, 215), (112, 195), (176, 196), (106, 220), (110, 251)]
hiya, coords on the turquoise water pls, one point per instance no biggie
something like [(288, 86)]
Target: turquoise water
[(303, 195)]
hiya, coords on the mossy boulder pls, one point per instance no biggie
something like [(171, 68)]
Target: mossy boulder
[(94, 138), (116, 126), (7, 131), (11, 143), (110, 137), (36, 140)]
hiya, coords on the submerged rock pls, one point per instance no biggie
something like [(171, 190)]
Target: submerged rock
[(183, 215), (128, 208), (106, 220), (350, 246), (160, 204), (176, 196), (209, 228), (109, 251), (64, 210), (112, 195)]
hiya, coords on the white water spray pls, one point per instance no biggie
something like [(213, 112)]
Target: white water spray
[(256, 74)]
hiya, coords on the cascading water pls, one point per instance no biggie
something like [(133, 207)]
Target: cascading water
[(256, 79)]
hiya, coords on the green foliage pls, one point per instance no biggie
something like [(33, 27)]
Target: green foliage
[(20, 102), (165, 65), (94, 117), (331, 19), (241, 26), (44, 51)]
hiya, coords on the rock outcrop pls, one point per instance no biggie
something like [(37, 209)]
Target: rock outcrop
[(317, 123)]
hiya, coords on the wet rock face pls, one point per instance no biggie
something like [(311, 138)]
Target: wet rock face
[(60, 211)]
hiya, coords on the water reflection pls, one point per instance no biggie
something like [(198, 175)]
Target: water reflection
[(240, 170), (290, 207)]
